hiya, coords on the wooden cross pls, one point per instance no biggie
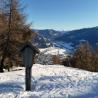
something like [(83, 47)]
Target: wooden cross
[(28, 52)]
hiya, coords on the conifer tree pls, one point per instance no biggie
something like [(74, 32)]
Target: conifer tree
[(95, 58), (15, 32), (83, 56)]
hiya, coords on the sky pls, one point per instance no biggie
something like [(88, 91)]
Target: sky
[(62, 14)]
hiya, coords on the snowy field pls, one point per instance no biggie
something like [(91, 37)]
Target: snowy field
[(54, 51), (51, 81)]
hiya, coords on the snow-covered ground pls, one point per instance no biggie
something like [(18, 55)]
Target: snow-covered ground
[(46, 55), (54, 51), (51, 81)]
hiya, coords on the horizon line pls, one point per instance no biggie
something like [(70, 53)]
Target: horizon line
[(64, 29)]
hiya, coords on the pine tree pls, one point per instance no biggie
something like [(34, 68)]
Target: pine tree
[(83, 57), (95, 58), (15, 32), (89, 56)]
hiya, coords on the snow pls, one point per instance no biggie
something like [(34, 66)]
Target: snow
[(51, 81), (66, 46), (46, 55), (53, 51)]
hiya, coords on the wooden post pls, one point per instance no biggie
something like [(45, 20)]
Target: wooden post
[(28, 79), (28, 53)]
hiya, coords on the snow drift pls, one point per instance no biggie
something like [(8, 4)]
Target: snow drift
[(51, 81)]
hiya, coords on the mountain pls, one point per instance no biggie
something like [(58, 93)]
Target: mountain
[(76, 36), (69, 39), (65, 39), (40, 41), (50, 34), (46, 38)]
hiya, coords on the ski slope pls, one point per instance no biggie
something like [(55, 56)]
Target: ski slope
[(51, 81)]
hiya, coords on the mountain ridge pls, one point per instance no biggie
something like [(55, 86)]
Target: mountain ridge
[(73, 36)]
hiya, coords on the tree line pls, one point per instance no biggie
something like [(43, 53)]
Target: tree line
[(84, 57), (14, 31)]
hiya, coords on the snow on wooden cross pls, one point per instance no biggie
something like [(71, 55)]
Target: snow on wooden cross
[(28, 52)]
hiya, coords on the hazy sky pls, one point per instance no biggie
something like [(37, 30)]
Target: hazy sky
[(62, 14)]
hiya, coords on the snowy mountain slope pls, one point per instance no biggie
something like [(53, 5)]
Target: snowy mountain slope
[(53, 81), (40, 41), (50, 33), (74, 37), (67, 46), (53, 51), (46, 55)]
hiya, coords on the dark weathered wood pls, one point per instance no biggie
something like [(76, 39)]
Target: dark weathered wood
[(28, 79), (28, 57), (28, 53)]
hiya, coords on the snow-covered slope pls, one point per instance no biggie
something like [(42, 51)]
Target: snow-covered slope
[(54, 51), (46, 38), (53, 81), (67, 46), (46, 55)]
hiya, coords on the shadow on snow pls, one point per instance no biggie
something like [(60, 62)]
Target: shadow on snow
[(8, 87)]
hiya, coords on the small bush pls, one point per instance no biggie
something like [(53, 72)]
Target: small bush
[(56, 59)]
